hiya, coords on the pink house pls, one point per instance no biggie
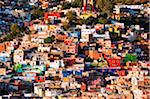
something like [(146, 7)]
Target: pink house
[(71, 48)]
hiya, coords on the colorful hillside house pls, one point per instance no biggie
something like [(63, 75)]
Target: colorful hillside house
[(18, 68), (114, 62), (95, 62), (102, 63)]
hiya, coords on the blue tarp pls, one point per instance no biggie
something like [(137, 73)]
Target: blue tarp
[(132, 12), (111, 71), (113, 22), (78, 73), (67, 73)]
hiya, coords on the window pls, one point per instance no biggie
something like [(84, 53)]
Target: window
[(37, 63), (57, 72), (49, 55), (51, 60)]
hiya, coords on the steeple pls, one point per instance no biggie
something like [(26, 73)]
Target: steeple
[(88, 3)]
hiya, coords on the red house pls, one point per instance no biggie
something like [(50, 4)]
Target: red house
[(83, 87), (53, 14), (114, 62), (69, 61), (39, 79), (121, 73), (68, 41)]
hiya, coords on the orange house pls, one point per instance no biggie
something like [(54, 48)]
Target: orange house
[(93, 54), (7, 44), (2, 47), (61, 37)]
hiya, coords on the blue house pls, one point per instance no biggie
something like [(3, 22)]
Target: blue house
[(75, 34), (3, 59)]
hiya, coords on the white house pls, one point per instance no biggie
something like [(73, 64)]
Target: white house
[(37, 40), (40, 27), (38, 90), (85, 34), (69, 0), (56, 63), (18, 56), (5, 54), (39, 59), (118, 7), (32, 2), (43, 48)]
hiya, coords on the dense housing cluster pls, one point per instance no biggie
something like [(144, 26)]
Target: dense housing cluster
[(62, 49)]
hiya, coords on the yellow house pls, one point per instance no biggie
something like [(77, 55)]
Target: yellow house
[(2, 71), (85, 16), (110, 29), (52, 27), (115, 29)]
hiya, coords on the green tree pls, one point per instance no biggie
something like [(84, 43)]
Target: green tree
[(39, 12), (80, 21), (102, 20), (130, 57), (66, 26), (8, 37), (49, 39), (104, 6), (91, 20), (4, 92), (66, 5), (88, 59), (77, 3), (14, 28), (124, 2), (71, 15)]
